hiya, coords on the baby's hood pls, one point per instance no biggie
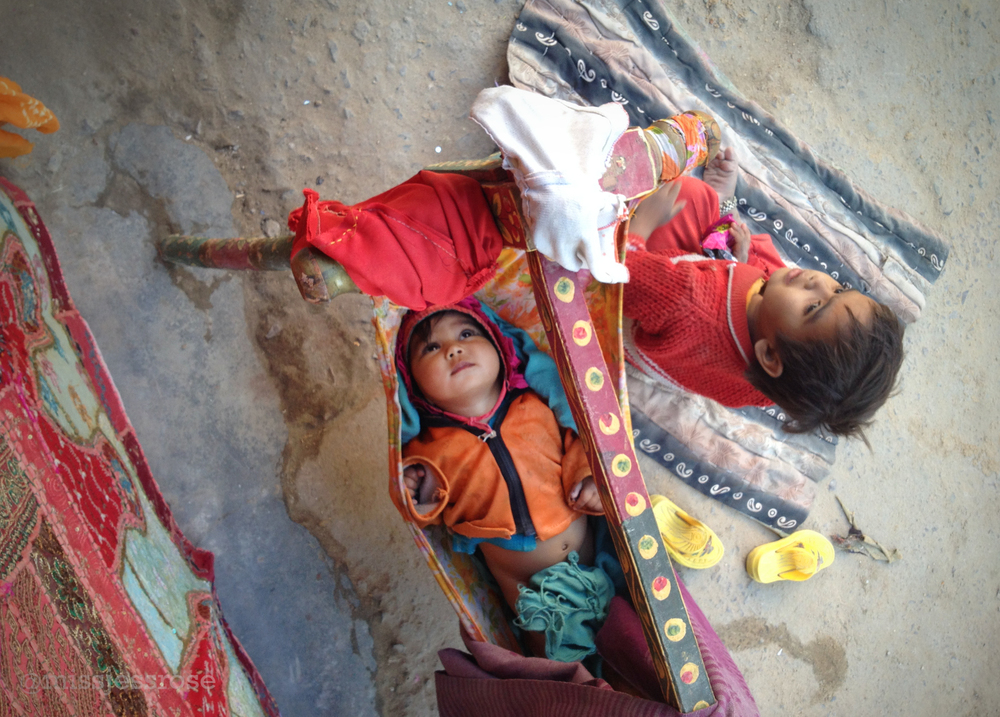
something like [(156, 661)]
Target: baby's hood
[(513, 378)]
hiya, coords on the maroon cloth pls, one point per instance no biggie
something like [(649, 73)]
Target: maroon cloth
[(494, 682), (430, 240), (492, 662)]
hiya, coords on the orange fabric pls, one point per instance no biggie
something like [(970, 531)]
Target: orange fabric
[(21, 111), (473, 495), (693, 129)]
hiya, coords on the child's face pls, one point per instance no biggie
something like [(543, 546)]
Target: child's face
[(457, 368), (806, 305)]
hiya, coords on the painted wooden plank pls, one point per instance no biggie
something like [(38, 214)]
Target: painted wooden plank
[(650, 575)]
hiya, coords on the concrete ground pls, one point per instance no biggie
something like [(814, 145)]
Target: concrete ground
[(263, 417)]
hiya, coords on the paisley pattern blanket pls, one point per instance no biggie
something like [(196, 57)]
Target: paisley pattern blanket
[(632, 52), (105, 608)]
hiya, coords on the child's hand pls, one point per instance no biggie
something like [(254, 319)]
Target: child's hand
[(584, 497), (420, 482), (741, 241)]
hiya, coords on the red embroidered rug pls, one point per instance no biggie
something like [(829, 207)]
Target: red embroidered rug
[(105, 608)]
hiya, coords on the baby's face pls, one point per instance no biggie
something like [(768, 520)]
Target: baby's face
[(807, 305), (457, 368)]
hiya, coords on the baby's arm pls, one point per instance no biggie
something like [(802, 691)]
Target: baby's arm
[(676, 217), (578, 481), (585, 497), (426, 491), (422, 484), (740, 241), (656, 209)]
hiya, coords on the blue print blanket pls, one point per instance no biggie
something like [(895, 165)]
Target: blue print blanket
[(632, 52)]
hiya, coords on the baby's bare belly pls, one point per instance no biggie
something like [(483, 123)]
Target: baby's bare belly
[(512, 568)]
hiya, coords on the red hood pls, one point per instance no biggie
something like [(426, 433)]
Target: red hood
[(505, 347)]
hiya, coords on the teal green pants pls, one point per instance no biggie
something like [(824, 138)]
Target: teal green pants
[(568, 602)]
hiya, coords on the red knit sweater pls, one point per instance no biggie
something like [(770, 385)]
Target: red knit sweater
[(689, 311)]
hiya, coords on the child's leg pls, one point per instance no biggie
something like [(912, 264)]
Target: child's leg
[(685, 230)]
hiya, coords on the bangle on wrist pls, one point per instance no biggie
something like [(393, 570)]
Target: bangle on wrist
[(727, 206)]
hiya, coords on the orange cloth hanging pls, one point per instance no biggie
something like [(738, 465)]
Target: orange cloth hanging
[(21, 111)]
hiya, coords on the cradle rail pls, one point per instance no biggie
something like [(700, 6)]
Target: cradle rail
[(606, 433), (636, 167), (318, 277)]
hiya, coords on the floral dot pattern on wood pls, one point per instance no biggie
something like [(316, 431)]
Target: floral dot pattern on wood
[(609, 424), (648, 546), (635, 504), (621, 466), (675, 629), (661, 587), (565, 290), (690, 673), (582, 333)]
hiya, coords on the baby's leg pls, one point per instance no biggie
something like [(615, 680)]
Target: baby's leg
[(512, 568)]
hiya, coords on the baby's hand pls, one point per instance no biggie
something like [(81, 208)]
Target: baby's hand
[(585, 497), (740, 236), (420, 482)]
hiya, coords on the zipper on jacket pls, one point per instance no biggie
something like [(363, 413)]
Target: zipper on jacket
[(515, 491), (518, 503)]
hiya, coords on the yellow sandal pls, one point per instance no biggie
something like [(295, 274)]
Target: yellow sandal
[(797, 557), (688, 541)]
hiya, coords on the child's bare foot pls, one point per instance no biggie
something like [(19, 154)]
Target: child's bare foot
[(720, 174)]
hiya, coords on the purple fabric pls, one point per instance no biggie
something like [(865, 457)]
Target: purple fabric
[(731, 690), (494, 682), (616, 643), (459, 697), (489, 661)]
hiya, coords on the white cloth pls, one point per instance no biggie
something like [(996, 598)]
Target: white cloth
[(558, 152)]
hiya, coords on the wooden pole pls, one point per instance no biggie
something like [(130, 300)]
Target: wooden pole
[(318, 277)]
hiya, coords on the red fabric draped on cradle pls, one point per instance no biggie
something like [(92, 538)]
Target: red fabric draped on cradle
[(430, 240)]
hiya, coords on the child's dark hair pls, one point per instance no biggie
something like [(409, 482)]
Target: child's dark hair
[(836, 386)]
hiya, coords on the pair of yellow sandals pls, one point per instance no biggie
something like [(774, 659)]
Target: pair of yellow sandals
[(694, 545)]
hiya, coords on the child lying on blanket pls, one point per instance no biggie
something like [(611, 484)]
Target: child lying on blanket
[(493, 464), (751, 331)]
